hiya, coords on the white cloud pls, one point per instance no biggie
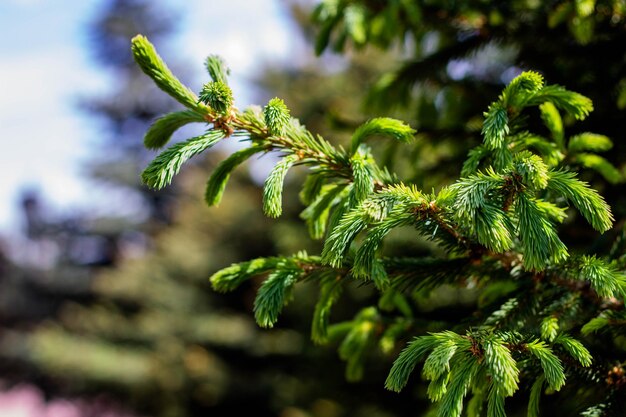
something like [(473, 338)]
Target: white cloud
[(41, 135), (243, 32)]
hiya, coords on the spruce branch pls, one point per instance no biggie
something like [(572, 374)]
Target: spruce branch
[(363, 177), (311, 150), (589, 142), (217, 95), (358, 341), (496, 126), (535, 396), (273, 188), (151, 63), (573, 103), (217, 68), (575, 349), (317, 214), (531, 169), (408, 360), (381, 126), (337, 243), (587, 200), (553, 121), (495, 228), (228, 279), (501, 366), (330, 290), (549, 328), (438, 362), (596, 324), (477, 205), (276, 115), (276, 131), (525, 84), (495, 403), (274, 293), (389, 208), (461, 378), (162, 129), (217, 182), (600, 165), (540, 242), (607, 320), (161, 171), (438, 387), (552, 366), (365, 263), (603, 277)]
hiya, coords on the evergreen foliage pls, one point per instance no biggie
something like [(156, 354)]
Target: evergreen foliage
[(496, 229)]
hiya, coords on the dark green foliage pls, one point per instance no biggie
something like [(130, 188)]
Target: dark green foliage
[(535, 397), (357, 342), (330, 291)]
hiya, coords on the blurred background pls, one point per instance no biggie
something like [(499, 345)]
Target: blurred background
[(105, 305)]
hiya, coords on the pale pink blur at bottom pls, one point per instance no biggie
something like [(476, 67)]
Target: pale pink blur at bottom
[(28, 401)]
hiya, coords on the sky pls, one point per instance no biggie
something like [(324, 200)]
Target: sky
[(45, 67)]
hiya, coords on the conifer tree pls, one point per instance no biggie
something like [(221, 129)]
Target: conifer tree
[(546, 319)]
